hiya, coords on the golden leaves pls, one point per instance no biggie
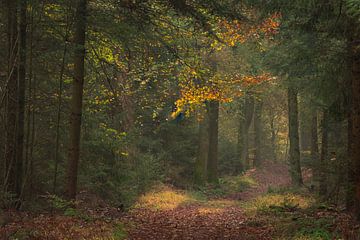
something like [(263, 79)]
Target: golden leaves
[(195, 91), (234, 32)]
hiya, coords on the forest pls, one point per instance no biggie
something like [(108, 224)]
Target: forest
[(179, 119)]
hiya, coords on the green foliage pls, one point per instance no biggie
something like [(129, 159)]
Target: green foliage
[(7, 199), (353, 8), (314, 232), (119, 232), (64, 206), (59, 203), (227, 185)]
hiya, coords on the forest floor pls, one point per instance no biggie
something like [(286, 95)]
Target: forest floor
[(257, 205)]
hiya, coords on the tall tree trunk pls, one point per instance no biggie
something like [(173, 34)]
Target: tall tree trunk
[(273, 137), (10, 178), (203, 151), (247, 110), (315, 145), (295, 168), (213, 142), (324, 155), (29, 103), (21, 96), (76, 99), (59, 105), (355, 114), (258, 133), (351, 173), (304, 131)]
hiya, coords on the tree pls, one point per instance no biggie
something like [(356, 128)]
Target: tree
[(324, 154), (353, 191), (355, 113), (294, 157), (213, 142), (76, 98), (258, 128), (12, 181), (203, 151), (21, 96), (247, 110), (315, 143)]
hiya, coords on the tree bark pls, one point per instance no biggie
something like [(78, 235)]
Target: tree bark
[(315, 145), (10, 178), (351, 173), (76, 99), (295, 168), (59, 105), (258, 133), (324, 155), (247, 111), (203, 151), (355, 115), (213, 142), (21, 97)]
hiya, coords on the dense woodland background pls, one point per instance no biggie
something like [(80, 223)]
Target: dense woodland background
[(112, 97)]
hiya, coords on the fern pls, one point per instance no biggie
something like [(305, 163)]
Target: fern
[(353, 8)]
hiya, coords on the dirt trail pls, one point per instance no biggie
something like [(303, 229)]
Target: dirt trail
[(271, 175), (196, 221)]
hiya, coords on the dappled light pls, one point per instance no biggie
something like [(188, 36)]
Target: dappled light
[(163, 198), (278, 201), (179, 120)]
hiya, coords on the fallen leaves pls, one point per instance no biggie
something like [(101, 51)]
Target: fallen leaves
[(166, 213)]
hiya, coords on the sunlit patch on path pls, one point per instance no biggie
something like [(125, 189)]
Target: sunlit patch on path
[(166, 213)]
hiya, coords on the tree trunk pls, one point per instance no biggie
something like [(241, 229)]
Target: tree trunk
[(58, 114), (247, 110), (21, 96), (10, 178), (355, 116), (258, 133), (273, 135), (324, 155), (305, 132), (76, 99), (295, 168), (351, 173), (213, 142), (315, 145), (29, 101), (203, 151)]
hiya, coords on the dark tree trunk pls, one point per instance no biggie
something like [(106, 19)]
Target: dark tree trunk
[(355, 116), (29, 105), (58, 117), (76, 99), (273, 137), (213, 142), (315, 145), (324, 155), (258, 133), (11, 180), (295, 168), (203, 151), (247, 111), (351, 173), (21, 96), (305, 132)]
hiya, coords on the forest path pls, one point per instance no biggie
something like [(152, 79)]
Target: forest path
[(175, 216)]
